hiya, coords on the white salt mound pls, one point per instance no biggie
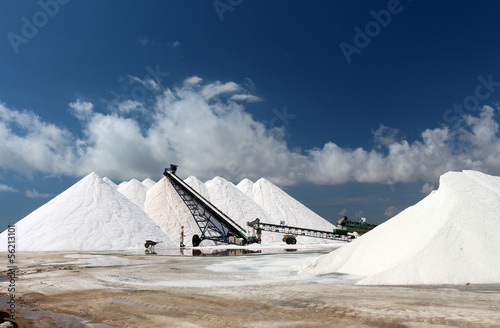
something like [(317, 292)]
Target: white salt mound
[(450, 237), (246, 187), (238, 206), (279, 206), (90, 215), (135, 191), (111, 183), (198, 186), (148, 183), (169, 212)]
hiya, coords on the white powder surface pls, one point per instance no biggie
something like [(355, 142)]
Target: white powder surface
[(167, 209), (135, 191), (148, 183), (90, 215), (238, 206), (279, 206), (450, 237)]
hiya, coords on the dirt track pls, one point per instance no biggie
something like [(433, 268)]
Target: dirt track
[(143, 293)]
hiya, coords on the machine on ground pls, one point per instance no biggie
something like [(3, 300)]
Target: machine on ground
[(216, 226)]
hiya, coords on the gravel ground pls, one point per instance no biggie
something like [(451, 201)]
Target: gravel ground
[(64, 289)]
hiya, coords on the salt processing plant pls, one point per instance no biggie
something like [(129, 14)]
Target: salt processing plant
[(97, 237)]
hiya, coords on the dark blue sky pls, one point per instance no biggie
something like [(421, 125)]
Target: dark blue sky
[(287, 54)]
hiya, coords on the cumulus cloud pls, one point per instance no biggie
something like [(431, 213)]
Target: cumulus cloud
[(200, 127), (385, 136), (82, 109), (30, 145)]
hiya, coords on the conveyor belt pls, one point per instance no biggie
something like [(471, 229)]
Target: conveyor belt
[(335, 234), (213, 223)]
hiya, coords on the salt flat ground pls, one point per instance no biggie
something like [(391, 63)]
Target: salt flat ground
[(131, 289)]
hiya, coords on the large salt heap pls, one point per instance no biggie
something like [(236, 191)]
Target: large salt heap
[(198, 186), (280, 206), (90, 215), (135, 191), (238, 206), (167, 209), (148, 183), (450, 237)]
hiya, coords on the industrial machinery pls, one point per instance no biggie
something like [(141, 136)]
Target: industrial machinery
[(352, 226), (214, 225), (290, 233)]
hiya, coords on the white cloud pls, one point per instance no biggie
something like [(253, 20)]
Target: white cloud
[(247, 98), (31, 145), (36, 194), (427, 188), (129, 106), (198, 127), (217, 88), (385, 136), (82, 109), (5, 188), (193, 80)]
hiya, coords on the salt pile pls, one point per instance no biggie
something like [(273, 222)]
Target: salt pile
[(135, 191), (90, 215), (279, 206), (111, 183), (148, 183), (199, 186), (450, 237), (238, 206), (97, 214), (169, 212)]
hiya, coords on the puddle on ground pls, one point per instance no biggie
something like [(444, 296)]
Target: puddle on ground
[(58, 320), (188, 251)]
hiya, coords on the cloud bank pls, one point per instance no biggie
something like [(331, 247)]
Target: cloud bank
[(205, 128)]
